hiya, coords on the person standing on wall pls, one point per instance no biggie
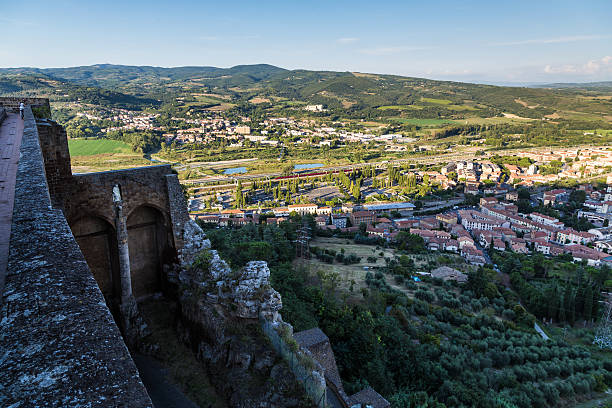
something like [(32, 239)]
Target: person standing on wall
[(21, 109)]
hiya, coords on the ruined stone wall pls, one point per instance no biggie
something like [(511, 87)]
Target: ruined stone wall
[(59, 345), (92, 193), (147, 205), (178, 209)]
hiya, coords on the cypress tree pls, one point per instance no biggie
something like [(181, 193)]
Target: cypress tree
[(562, 315), (572, 309), (588, 303), (553, 303)]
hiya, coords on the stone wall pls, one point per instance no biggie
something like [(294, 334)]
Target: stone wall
[(153, 205), (59, 345), (305, 368), (92, 193), (13, 102), (177, 205), (153, 222), (54, 144)]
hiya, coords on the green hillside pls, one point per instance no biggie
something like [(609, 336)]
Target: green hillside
[(349, 94)]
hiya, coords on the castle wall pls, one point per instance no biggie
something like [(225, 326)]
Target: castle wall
[(58, 341), (145, 194), (54, 145)]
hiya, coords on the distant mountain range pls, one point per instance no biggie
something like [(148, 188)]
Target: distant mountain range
[(581, 85), (367, 94)]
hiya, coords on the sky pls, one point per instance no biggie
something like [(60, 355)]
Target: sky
[(534, 41)]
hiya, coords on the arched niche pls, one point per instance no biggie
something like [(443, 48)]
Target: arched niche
[(98, 242), (148, 241)]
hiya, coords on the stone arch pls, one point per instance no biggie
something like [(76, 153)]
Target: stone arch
[(149, 241), (97, 239)]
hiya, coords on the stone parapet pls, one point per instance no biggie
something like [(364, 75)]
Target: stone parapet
[(59, 345)]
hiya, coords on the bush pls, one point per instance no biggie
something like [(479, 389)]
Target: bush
[(410, 285), (509, 314), (424, 295)]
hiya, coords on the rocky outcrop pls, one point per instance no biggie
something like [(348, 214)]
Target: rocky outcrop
[(194, 241), (219, 317), (245, 294), (241, 364), (219, 312)]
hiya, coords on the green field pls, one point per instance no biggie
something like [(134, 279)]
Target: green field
[(425, 122), (90, 147), (208, 99), (437, 101), (400, 107)]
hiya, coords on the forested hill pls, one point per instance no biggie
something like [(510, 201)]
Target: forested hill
[(363, 94)]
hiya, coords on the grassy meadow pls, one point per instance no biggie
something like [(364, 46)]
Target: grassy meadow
[(91, 155), (90, 147)]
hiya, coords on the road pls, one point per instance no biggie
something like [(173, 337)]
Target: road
[(442, 204), (539, 330), (347, 167)]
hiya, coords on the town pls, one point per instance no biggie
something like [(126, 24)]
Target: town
[(495, 223)]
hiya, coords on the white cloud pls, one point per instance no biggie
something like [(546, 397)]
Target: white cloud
[(387, 50), (592, 67), (347, 40), (556, 40)]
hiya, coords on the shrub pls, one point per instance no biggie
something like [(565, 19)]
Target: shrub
[(410, 285), (424, 295), (508, 314)]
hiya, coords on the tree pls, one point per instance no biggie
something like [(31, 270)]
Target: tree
[(562, 315), (410, 242), (477, 282), (588, 303), (523, 194), (238, 196), (572, 308), (287, 170), (356, 192), (553, 302)]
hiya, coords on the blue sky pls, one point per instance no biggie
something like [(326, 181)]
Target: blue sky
[(510, 41)]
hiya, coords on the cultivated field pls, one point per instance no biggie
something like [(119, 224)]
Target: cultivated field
[(89, 147), (424, 122), (356, 272)]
